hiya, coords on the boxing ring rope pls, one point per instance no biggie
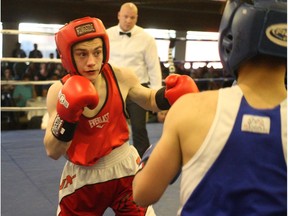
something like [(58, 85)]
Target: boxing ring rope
[(15, 82), (16, 32), (185, 39), (25, 60), (212, 79), (34, 60), (19, 109)]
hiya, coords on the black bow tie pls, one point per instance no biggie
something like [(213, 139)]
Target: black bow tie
[(125, 33)]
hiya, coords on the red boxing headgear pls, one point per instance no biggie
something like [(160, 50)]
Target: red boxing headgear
[(76, 31)]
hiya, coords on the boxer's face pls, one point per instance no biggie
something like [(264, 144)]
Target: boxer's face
[(88, 56)]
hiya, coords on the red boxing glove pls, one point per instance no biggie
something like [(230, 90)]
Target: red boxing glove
[(77, 92), (178, 85)]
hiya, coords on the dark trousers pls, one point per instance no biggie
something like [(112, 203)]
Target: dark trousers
[(138, 126)]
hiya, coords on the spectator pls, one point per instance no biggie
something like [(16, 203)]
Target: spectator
[(43, 76), (161, 115), (23, 93), (7, 89), (35, 53), (7, 97), (18, 52), (18, 67), (32, 71), (51, 66)]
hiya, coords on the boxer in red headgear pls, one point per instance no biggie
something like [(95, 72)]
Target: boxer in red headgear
[(87, 122), (77, 31)]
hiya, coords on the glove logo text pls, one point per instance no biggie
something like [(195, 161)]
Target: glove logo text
[(57, 126), (62, 100)]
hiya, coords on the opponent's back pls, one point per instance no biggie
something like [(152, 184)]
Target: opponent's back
[(240, 168)]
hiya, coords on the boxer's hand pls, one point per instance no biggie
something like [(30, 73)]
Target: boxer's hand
[(77, 92), (145, 158), (178, 85)]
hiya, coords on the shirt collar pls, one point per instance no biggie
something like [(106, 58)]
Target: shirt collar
[(132, 31)]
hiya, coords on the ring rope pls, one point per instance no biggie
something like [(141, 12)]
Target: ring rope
[(212, 79), (15, 109), (47, 82), (14, 32), (37, 60), (185, 39), (15, 82)]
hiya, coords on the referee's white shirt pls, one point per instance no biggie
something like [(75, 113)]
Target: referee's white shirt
[(138, 52)]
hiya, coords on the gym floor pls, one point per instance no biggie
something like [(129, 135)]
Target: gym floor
[(30, 180)]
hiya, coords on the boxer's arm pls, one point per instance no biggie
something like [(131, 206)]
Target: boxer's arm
[(131, 88), (163, 165), (144, 97), (54, 147), (151, 99), (146, 157), (77, 93)]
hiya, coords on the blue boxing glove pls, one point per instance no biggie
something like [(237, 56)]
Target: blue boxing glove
[(145, 158)]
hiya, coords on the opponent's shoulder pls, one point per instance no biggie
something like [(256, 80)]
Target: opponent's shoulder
[(192, 116), (195, 105), (204, 98)]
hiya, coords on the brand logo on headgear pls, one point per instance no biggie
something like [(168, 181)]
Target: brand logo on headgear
[(277, 34), (84, 29)]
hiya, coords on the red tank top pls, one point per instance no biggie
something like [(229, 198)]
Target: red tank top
[(95, 137)]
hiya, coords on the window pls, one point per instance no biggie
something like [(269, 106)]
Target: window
[(202, 47), (162, 38), (45, 41)]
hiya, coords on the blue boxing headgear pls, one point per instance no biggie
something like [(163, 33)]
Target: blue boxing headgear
[(249, 29)]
